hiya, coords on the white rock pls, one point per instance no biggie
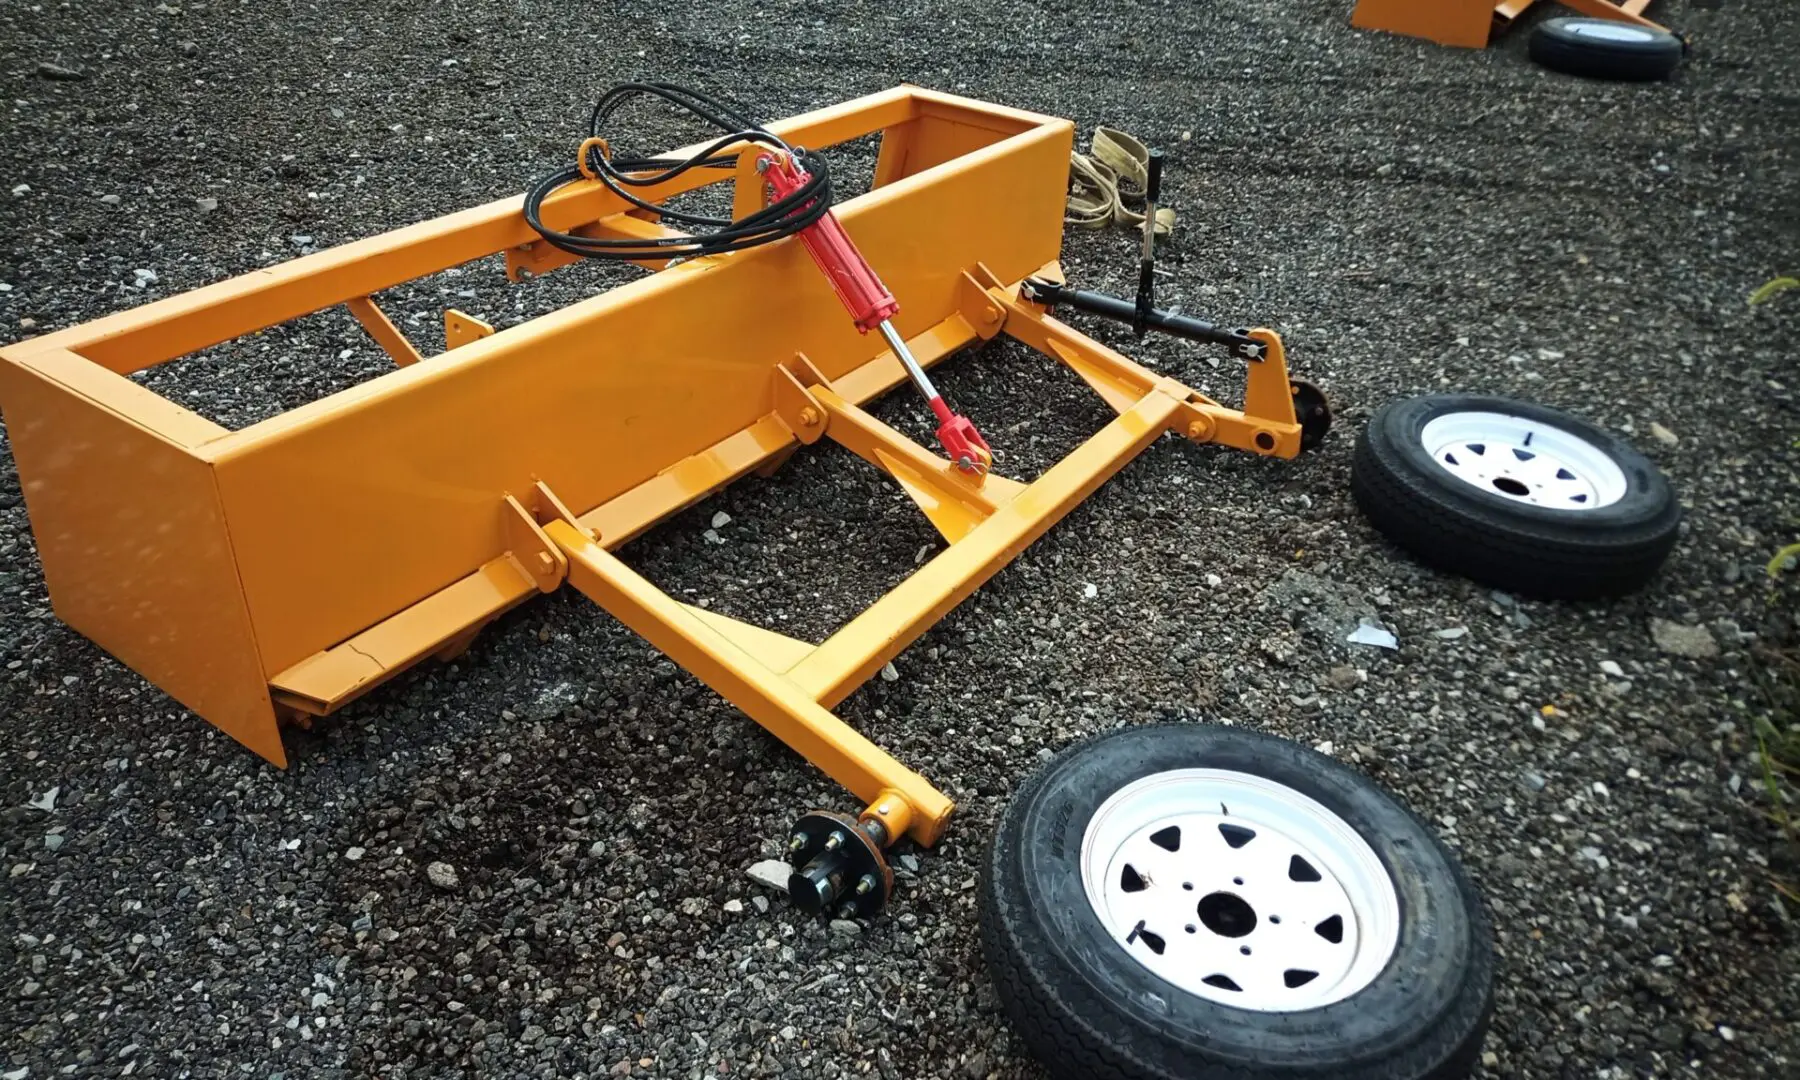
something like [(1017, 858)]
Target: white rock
[(145, 276), (53, 842), (110, 200), (712, 536), (1090, 590), (1451, 633), (721, 519), (1213, 581), (355, 854), (1611, 667), (16, 1074), (22, 189), (207, 205), (1373, 635), (442, 874), (771, 872), (1679, 639), (889, 673), (1664, 435), (47, 801), (734, 907)]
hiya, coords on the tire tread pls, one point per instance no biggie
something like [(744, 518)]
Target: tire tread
[(1050, 1004)]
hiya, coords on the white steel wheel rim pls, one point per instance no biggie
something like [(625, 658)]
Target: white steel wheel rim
[(1524, 460), (1607, 31), (1268, 901)]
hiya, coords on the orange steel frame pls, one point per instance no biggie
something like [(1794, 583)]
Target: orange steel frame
[(1469, 23), (277, 572)]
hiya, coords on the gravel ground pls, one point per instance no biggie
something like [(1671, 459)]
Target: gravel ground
[(1411, 218)]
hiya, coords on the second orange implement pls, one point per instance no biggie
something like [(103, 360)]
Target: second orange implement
[(1470, 23)]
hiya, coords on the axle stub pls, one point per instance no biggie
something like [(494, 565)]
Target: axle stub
[(1311, 411), (838, 865)]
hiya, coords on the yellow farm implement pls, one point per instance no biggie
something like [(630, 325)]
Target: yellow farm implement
[(275, 573)]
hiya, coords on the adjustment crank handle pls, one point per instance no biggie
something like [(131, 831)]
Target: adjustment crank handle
[(1125, 311)]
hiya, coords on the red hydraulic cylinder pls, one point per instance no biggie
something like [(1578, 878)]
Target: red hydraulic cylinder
[(871, 306)]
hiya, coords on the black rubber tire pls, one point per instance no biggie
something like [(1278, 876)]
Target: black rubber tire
[(1535, 550), (1628, 53), (1088, 1011)]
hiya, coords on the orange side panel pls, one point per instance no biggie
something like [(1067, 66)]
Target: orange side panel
[(1463, 23), (132, 537)]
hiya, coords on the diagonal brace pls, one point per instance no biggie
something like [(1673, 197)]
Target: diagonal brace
[(954, 500), (765, 695)]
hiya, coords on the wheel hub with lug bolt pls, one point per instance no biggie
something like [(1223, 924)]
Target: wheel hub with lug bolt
[(839, 866)]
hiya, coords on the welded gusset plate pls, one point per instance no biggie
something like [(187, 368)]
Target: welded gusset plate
[(838, 865)]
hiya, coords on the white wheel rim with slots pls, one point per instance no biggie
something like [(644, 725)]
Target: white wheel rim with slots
[(1239, 890), (1524, 460)]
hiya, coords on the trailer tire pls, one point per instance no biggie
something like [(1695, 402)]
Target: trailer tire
[(1606, 49), (1579, 515), (1409, 999)]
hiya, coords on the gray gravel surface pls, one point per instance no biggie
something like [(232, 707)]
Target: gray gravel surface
[(532, 862)]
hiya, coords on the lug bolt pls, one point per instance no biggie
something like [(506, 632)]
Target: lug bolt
[(865, 885), (798, 841), (834, 841)]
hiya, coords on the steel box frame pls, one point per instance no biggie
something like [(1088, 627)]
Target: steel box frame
[(277, 572)]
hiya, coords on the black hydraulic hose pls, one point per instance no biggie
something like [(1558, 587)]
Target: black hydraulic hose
[(779, 219)]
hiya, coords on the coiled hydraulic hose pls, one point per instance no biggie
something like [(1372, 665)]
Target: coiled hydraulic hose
[(784, 216)]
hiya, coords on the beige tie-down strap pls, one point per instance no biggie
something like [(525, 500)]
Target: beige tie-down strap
[(1115, 169)]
